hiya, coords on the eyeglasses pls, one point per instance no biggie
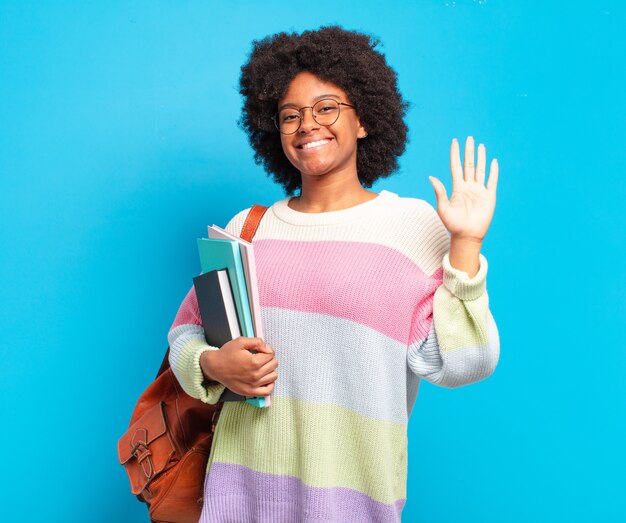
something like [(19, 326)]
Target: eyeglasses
[(325, 112)]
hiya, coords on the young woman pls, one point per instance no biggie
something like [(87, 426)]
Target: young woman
[(362, 294)]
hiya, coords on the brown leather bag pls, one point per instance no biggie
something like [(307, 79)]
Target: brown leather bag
[(166, 447)]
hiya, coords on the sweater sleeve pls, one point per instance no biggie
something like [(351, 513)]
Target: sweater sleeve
[(187, 341), (456, 338)]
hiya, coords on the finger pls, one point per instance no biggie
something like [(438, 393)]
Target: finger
[(480, 164), (268, 367), (244, 342), (492, 183), (455, 163), (265, 380), (257, 344), (259, 360), (266, 390), (264, 370), (440, 193), (468, 169)]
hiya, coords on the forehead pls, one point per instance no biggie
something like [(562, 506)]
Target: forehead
[(306, 88)]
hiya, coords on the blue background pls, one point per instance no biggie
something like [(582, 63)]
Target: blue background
[(119, 144)]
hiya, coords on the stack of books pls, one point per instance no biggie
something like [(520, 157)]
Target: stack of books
[(228, 295)]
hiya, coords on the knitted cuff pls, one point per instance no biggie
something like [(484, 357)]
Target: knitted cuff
[(460, 284), (208, 391)]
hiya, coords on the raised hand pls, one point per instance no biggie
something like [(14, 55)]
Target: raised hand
[(468, 213)]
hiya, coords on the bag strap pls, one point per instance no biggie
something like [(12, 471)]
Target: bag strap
[(252, 222), (247, 233)]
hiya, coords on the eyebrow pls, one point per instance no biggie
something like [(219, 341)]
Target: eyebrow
[(316, 99)]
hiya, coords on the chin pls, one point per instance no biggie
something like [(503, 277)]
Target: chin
[(314, 170)]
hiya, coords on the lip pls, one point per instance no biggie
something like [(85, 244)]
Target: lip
[(301, 145)]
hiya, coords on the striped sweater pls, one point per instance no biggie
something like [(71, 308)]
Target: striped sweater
[(359, 305)]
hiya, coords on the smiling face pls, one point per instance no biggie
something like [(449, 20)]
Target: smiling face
[(315, 149)]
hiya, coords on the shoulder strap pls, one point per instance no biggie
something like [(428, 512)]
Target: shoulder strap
[(247, 233), (252, 222)]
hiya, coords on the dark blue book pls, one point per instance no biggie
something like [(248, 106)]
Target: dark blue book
[(218, 313)]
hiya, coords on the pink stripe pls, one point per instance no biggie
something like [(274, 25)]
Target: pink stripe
[(188, 312), (370, 284)]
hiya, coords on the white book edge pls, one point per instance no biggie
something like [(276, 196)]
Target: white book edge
[(229, 303)]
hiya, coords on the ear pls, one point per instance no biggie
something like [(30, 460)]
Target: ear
[(361, 133)]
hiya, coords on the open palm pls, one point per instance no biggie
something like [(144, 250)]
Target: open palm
[(468, 213)]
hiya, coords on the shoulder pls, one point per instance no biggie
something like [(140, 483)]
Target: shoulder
[(235, 224), (414, 211), (413, 226)]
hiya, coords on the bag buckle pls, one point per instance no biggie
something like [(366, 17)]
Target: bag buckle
[(142, 453)]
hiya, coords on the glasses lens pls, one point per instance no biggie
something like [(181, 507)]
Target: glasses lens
[(288, 121), (326, 112)]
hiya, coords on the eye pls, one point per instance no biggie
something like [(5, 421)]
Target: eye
[(327, 109), (289, 117)]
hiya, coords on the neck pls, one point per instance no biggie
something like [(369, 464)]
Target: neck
[(319, 195)]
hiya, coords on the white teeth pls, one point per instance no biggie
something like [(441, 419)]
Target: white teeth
[(315, 144)]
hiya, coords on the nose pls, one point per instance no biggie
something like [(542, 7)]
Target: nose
[(308, 123)]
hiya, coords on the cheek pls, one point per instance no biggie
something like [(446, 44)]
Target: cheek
[(288, 150), (284, 145)]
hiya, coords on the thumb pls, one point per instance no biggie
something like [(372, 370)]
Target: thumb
[(440, 192)]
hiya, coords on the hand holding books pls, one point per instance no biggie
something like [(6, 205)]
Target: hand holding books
[(241, 371)]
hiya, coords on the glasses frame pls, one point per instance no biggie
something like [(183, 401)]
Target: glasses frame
[(277, 125)]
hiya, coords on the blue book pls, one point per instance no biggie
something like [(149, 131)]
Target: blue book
[(225, 254)]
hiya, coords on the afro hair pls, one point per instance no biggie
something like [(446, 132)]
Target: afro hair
[(348, 59)]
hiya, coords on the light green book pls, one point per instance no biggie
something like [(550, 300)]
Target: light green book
[(225, 254)]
